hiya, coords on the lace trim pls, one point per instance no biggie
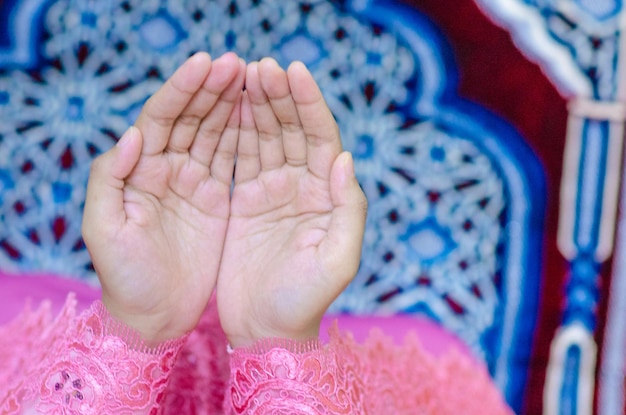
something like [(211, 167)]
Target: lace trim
[(282, 382), (73, 365), (132, 338), (344, 377), (265, 345)]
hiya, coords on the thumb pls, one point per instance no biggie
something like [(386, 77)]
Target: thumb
[(105, 189), (342, 248)]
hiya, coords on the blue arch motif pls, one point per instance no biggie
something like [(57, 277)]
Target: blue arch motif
[(20, 31), (512, 184), (456, 196)]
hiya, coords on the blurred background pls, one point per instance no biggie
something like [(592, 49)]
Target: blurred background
[(487, 135)]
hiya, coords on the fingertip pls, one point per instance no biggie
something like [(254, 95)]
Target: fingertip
[(343, 176), (252, 67), (231, 55), (346, 189), (225, 71), (297, 66), (198, 60), (348, 164), (200, 55), (268, 70), (253, 84), (128, 136), (268, 62), (229, 59), (129, 148), (298, 69), (302, 83)]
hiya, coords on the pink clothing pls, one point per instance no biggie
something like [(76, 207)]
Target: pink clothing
[(88, 363), (18, 289)]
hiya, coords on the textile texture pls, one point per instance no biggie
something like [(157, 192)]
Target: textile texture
[(89, 363), (442, 108)]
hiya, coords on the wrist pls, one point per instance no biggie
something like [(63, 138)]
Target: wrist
[(257, 336), (134, 339), (153, 329)]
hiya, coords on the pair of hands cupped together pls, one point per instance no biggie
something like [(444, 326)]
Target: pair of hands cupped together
[(166, 225)]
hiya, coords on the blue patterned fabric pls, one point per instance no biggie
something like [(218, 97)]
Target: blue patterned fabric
[(456, 197), (580, 44)]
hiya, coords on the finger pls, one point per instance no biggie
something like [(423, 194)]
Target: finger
[(161, 111), (276, 86), (204, 102), (211, 134), (268, 127), (341, 250), (320, 128), (105, 190), (248, 164), (223, 162)]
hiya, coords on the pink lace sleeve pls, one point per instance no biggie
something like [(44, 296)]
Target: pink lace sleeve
[(343, 377), (88, 364), (287, 377)]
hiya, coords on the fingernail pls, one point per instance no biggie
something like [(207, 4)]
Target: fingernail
[(125, 138), (349, 165)]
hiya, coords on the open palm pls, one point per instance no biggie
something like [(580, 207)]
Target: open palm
[(158, 203), (297, 212)]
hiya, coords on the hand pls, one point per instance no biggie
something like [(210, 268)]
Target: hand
[(158, 203), (297, 212)]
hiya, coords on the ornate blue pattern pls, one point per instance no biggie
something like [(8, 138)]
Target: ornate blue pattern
[(21, 20), (452, 225)]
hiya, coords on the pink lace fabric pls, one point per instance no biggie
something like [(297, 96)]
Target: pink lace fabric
[(87, 364), (90, 364), (344, 377)]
